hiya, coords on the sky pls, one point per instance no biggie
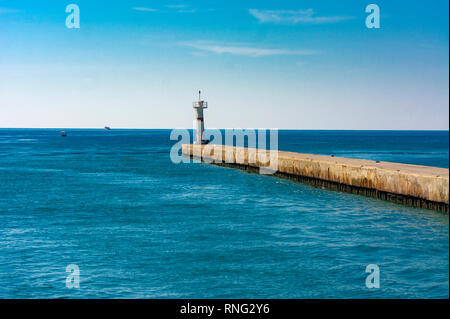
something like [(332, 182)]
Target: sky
[(260, 64)]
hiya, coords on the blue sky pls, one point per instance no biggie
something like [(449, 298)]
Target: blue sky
[(261, 64)]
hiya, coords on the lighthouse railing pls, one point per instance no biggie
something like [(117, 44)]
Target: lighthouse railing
[(202, 104)]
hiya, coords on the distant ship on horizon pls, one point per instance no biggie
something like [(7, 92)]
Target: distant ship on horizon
[(107, 128)]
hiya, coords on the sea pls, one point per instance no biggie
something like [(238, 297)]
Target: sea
[(107, 214)]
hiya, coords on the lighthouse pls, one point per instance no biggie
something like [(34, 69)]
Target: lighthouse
[(199, 120)]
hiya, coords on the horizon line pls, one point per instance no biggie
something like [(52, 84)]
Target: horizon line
[(228, 128)]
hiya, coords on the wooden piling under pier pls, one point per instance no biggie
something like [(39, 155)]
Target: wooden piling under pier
[(415, 185)]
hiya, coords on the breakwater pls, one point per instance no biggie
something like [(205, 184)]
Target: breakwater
[(415, 185)]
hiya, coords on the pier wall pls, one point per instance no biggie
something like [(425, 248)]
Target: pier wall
[(415, 185)]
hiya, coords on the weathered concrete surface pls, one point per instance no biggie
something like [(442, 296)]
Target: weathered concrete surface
[(421, 186)]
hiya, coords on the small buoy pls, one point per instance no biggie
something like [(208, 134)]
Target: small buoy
[(63, 134)]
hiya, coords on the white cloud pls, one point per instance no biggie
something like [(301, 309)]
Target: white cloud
[(293, 16), (245, 50), (145, 9)]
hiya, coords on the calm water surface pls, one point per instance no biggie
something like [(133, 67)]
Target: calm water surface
[(138, 225)]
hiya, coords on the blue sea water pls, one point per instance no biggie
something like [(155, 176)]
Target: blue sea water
[(139, 226)]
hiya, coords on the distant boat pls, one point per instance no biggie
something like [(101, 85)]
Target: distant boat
[(107, 128), (63, 134)]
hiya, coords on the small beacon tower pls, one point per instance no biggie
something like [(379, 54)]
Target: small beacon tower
[(199, 122)]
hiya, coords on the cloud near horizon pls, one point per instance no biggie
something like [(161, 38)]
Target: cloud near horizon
[(244, 50), (180, 8), (293, 16), (145, 9)]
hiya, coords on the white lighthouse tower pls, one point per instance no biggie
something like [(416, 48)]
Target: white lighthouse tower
[(199, 121)]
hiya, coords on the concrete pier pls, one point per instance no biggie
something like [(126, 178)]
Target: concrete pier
[(420, 186)]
